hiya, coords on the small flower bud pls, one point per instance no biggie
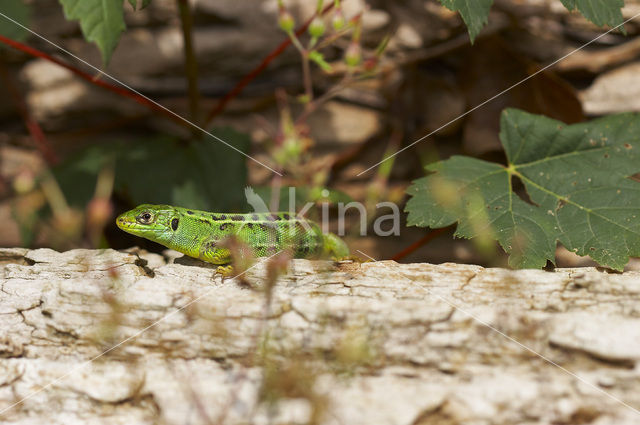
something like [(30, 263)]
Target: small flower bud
[(24, 181), (286, 21), (338, 20), (353, 55), (316, 27)]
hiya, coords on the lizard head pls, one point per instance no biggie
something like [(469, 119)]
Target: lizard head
[(153, 222)]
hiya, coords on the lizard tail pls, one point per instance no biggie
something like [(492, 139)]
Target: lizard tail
[(335, 247)]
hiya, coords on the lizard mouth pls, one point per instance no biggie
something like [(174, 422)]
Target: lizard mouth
[(125, 223), (131, 225)]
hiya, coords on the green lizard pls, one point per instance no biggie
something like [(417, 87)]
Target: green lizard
[(199, 234)]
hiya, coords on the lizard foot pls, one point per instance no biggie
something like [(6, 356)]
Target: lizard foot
[(225, 271)]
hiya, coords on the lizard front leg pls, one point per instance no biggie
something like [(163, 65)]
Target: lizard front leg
[(210, 253)]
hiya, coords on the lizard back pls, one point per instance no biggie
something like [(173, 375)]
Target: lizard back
[(265, 233)]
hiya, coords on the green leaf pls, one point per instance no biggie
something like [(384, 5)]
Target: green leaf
[(600, 12), (577, 181), (134, 4), (101, 21), (475, 13), (19, 12), (201, 175), (318, 58)]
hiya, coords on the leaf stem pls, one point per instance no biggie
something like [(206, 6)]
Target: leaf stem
[(434, 233), (42, 143), (308, 85), (306, 69), (121, 91), (190, 62), (313, 104)]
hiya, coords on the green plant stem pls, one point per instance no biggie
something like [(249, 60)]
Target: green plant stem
[(306, 68), (237, 89), (314, 104), (306, 71), (53, 193), (191, 65)]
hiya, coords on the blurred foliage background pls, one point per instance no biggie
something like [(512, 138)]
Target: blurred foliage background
[(358, 83)]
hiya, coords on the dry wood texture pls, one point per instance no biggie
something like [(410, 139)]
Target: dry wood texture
[(375, 343)]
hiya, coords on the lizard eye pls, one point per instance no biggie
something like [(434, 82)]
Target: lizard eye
[(145, 218)]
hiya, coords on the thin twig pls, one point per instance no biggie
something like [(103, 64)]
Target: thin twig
[(308, 84), (422, 241), (190, 62), (121, 91), (38, 136), (237, 89), (330, 94)]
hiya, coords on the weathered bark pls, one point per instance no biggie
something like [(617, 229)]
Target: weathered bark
[(372, 343)]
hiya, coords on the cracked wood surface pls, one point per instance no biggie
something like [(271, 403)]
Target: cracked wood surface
[(372, 343)]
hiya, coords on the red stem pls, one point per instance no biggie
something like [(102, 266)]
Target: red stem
[(41, 141), (237, 89), (423, 241), (90, 78)]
